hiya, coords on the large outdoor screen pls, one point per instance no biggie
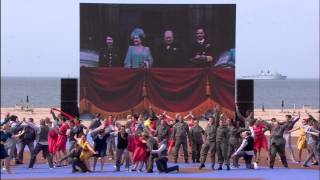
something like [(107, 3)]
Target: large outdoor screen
[(173, 58)]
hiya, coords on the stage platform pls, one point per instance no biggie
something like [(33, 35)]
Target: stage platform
[(187, 171)]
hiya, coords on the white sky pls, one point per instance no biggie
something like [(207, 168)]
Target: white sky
[(41, 38)]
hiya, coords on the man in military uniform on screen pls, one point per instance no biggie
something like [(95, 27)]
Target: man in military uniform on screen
[(201, 51), (109, 55), (169, 53)]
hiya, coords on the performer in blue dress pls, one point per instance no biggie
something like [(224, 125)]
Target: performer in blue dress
[(138, 56)]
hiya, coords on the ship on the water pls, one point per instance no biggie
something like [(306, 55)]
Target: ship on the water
[(266, 75)]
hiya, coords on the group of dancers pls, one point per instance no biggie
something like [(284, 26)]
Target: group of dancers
[(150, 138)]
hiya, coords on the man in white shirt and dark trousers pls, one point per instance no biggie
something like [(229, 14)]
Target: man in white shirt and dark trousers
[(162, 159), (246, 150)]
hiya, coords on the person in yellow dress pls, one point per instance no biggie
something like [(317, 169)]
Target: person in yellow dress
[(301, 142), (87, 150)]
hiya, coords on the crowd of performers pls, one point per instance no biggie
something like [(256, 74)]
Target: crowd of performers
[(148, 138)]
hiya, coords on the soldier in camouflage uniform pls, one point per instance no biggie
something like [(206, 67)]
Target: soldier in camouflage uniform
[(181, 135), (163, 130), (209, 144), (196, 133), (234, 139), (222, 143), (151, 145), (277, 142)]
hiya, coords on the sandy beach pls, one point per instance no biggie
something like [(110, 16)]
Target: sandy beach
[(39, 113)]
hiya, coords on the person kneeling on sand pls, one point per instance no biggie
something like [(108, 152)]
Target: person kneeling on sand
[(246, 150), (162, 159), (74, 154)]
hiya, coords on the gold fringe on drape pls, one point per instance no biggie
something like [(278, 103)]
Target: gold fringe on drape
[(201, 109)]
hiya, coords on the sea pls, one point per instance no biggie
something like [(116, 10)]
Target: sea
[(45, 92)]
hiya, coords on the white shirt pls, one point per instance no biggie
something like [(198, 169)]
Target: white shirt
[(159, 151), (201, 41), (243, 144)]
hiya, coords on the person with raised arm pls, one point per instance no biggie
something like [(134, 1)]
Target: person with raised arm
[(287, 135), (76, 161), (277, 141), (6, 140), (234, 138), (87, 150), (302, 140), (248, 120)]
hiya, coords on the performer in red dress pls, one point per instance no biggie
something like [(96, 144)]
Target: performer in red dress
[(140, 153), (132, 139), (62, 140), (260, 140), (52, 143)]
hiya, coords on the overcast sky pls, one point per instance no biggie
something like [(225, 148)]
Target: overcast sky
[(41, 37)]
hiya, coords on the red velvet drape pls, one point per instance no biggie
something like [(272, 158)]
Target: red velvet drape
[(112, 89), (222, 86), (173, 90), (176, 90)]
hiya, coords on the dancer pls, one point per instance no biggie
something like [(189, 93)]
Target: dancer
[(301, 142), (163, 130), (234, 140), (246, 150), (196, 133), (110, 125), (52, 142), (209, 144), (277, 142), (122, 147), (260, 140), (42, 143), (287, 135), (100, 146), (181, 135), (162, 159), (222, 138), (27, 139), (6, 138), (247, 121), (313, 140), (87, 150), (62, 140), (151, 145), (75, 154), (140, 153)]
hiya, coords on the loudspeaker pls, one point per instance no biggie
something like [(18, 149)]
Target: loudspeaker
[(69, 96), (245, 96), (245, 91)]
